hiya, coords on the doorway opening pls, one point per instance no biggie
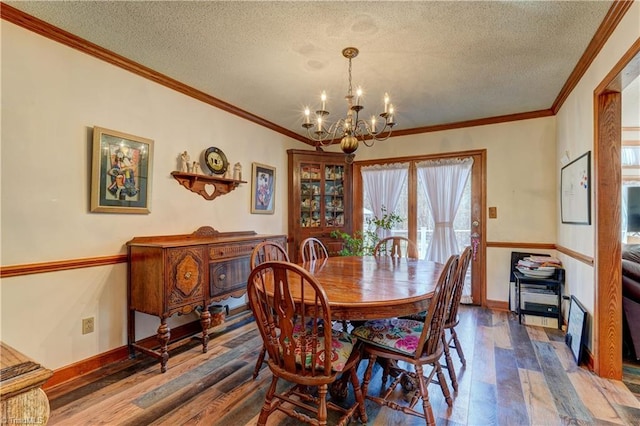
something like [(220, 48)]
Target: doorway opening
[(608, 205)]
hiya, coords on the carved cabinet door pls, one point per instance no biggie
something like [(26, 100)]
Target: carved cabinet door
[(187, 277)]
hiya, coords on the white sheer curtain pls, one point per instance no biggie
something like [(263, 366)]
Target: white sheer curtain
[(383, 184), (443, 183)]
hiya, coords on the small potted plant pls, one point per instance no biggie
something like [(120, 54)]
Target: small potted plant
[(362, 243)]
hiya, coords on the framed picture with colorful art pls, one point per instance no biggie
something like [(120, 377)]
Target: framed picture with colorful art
[(121, 172), (263, 187)]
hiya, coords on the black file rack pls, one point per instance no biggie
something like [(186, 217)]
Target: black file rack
[(540, 297)]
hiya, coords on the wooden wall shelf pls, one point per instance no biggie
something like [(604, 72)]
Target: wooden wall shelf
[(209, 187)]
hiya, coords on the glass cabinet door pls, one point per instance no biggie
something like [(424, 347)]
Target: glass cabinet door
[(334, 195), (310, 195)]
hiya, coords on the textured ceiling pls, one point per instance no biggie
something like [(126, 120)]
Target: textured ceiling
[(441, 61)]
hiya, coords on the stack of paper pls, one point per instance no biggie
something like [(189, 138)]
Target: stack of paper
[(538, 266)]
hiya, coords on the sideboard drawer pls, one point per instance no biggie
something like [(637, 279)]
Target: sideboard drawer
[(217, 252), (228, 276)]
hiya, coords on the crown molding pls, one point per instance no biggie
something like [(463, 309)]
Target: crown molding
[(615, 14)]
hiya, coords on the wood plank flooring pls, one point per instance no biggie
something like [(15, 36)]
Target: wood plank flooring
[(515, 375)]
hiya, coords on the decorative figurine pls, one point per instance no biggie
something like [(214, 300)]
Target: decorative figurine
[(228, 174), (196, 168), (185, 162), (237, 171)]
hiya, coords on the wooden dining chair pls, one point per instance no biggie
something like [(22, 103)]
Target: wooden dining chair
[(396, 247), (451, 321), (312, 249), (416, 343), (303, 348), (264, 252)]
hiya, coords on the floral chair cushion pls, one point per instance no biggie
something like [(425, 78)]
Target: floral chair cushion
[(400, 334), (341, 347)]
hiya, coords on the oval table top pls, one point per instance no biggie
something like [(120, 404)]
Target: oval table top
[(373, 287)]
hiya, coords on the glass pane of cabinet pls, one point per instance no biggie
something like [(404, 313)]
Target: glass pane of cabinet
[(310, 196), (334, 195)]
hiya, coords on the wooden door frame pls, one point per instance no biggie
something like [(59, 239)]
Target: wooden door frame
[(607, 195), (478, 209)]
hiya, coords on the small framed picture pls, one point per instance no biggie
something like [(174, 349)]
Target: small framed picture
[(121, 172), (263, 188), (576, 329)]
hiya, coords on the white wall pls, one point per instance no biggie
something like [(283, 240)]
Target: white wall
[(52, 96), (521, 181), (576, 135)]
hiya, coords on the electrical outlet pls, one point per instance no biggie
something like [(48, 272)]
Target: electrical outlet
[(88, 325)]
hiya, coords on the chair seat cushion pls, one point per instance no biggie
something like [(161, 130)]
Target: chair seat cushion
[(341, 347), (399, 334)]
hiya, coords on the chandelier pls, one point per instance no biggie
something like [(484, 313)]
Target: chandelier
[(351, 128)]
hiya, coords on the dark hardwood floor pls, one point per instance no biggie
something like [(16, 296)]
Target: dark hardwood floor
[(515, 375), (631, 375)]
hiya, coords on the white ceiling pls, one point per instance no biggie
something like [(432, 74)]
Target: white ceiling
[(441, 61)]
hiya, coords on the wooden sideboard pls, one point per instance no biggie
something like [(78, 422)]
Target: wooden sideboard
[(174, 274), (22, 401)]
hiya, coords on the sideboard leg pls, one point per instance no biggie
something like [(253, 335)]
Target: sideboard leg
[(205, 322), (164, 333), (131, 332)]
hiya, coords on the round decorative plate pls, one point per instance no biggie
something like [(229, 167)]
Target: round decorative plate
[(216, 160)]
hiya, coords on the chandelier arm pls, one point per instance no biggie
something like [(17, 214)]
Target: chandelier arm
[(381, 135), (325, 136)]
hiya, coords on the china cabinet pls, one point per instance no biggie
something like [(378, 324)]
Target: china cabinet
[(320, 198)]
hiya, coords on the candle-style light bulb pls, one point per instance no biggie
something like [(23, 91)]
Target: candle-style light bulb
[(319, 123), (358, 94), (323, 98), (307, 118), (390, 117), (373, 124), (386, 102)]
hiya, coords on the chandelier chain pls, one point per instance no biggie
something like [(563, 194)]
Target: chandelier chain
[(350, 87)]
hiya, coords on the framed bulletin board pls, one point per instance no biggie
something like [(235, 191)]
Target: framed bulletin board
[(575, 191), (576, 328)]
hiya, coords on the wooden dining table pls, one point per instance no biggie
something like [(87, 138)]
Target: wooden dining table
[(374, 287)]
